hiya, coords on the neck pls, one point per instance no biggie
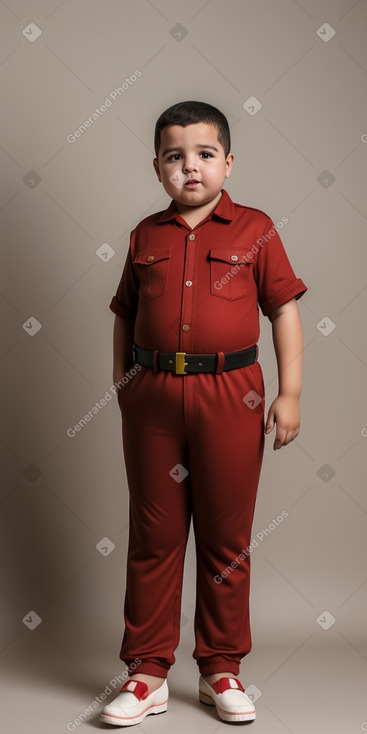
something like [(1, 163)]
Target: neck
[(197, 213)]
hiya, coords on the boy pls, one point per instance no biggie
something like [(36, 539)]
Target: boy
[(186, 311)]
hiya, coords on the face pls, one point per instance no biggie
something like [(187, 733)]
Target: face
[(191, 163)]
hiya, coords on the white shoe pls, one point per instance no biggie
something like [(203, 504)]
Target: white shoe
[(229, 697), (135, 703)]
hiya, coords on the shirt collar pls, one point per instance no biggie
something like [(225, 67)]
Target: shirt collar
[(224, 210)]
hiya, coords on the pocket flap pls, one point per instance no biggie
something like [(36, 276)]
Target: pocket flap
[(151, 256), (231, 256)]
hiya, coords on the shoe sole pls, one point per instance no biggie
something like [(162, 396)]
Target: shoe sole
[(126, 721), (224, 715)]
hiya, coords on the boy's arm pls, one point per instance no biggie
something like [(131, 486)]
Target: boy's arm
[(123, 337), (288, 345)]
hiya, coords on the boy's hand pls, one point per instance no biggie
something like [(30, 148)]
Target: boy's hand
[(285, 412), (288, 343)]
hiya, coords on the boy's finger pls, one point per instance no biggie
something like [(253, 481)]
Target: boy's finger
[(269, 423), (280, 438), (290, 436)]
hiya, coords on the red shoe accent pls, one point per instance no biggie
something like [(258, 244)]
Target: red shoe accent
[(223, 684), (137, 687)]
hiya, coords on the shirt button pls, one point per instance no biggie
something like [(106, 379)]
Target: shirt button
[(186, 327), (191, 236), (188, 283), (150, 258), (234, 257)]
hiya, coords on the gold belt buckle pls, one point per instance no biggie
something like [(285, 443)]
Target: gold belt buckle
[(180, 363)]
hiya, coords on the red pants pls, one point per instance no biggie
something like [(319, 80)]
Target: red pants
[(201, 422)]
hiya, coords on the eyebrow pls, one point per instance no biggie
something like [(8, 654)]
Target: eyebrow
[(177, 148)]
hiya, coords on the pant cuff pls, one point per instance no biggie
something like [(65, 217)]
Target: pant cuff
[(152, 669), (147, 667)]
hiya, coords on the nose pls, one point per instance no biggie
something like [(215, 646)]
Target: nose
[(191, 164)]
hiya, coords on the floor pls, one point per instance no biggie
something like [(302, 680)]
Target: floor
[(318, 687)]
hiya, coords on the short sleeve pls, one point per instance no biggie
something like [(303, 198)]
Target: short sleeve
[(276, 280), (125, 302)]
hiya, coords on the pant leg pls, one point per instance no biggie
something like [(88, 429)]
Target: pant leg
[(159, 520), (226, 444)]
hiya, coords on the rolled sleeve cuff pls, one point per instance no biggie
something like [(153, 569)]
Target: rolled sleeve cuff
[(296, 289), (120, 310)]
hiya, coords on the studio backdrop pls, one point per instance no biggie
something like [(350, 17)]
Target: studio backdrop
[(82, 84)]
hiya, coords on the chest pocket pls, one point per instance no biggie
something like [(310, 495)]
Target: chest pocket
[(152, 270), (229, 273)]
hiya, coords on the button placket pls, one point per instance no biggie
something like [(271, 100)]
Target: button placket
[(188, 292)]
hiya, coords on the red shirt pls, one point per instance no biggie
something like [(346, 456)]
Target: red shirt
[(199, 290)]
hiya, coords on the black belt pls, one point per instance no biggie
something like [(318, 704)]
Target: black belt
[(177, 361)]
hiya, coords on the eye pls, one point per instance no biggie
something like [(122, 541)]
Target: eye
[(174, 157), (205, 153)]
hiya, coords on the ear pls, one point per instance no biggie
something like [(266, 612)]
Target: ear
[(156, 168), (229, 164)]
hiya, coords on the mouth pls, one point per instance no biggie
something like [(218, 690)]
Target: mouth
[(192, 183)]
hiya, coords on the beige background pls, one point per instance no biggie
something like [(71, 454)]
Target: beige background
[(59, 203)]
